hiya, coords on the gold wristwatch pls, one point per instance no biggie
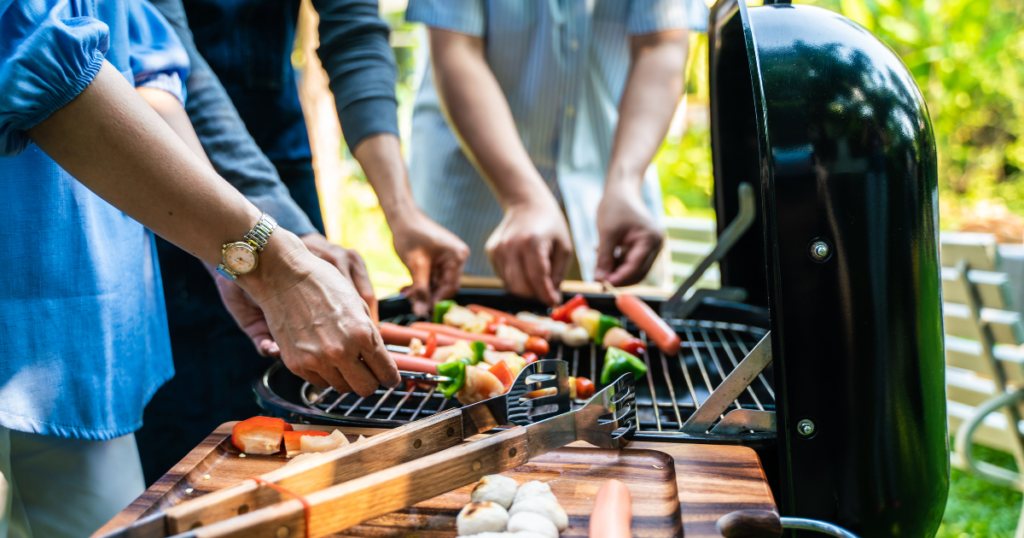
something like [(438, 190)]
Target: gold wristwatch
[(242, 257)]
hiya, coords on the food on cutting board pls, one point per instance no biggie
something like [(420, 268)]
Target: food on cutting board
[(265, 435), (477, 517), (613, 511), (532, 510), (259, 435), (532, 523), (495, 488)]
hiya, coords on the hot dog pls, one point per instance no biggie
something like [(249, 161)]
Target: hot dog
[(499, 344), (400, 335), (529, 327), (651, 323), (409, 363), (613, 511)]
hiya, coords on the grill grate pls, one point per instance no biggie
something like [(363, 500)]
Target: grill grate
[(674, 388)]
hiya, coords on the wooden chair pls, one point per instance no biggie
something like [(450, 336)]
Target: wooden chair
[(984, 360), (689, 240)]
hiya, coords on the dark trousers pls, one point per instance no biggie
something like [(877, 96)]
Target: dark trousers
[(215, 362)]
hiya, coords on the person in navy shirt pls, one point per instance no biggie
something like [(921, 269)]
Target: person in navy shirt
[(245, 108)]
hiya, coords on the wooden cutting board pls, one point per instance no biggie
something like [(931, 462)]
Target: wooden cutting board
[(677, 489)]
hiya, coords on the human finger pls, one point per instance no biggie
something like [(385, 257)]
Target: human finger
[(636, 262), (358, 375), (419, 292), (449, 275), (560, 258), (361, 280), (605, 257), (336, 379), (513, 274), (537, 268), (380, 363)]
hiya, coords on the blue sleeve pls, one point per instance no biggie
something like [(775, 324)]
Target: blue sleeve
[(47, 57), (355, 52), (650, 16), (462, 16), (158, 59)]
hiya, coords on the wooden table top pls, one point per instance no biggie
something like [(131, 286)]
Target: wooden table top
[(712, 481)]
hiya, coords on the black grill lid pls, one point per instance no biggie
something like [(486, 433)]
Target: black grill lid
[(830, 124)]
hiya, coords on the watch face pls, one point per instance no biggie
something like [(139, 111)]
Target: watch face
[(240, 258)]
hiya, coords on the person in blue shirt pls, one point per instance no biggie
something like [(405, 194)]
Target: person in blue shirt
[(535, 127), (245, 108), (88, 166)]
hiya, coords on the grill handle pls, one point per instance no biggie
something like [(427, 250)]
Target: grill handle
[(765, 524)]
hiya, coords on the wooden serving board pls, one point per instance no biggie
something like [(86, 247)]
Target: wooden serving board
[(677, 489)]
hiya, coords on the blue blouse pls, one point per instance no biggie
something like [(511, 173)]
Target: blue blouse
[(83, 330)]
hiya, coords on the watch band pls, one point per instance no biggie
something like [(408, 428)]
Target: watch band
[(260, 234)]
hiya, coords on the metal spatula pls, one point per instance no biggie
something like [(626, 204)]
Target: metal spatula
[(608, 420), (384, 451)]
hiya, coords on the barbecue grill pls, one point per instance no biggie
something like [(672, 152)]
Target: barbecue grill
[(826, 195)]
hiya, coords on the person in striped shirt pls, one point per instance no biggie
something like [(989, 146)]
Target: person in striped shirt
[(534, 130)]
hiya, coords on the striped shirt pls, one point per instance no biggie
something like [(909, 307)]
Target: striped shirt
[(562, 65)]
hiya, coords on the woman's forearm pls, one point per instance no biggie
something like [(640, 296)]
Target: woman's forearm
[(653, 89), (481, 117), (109, 139)]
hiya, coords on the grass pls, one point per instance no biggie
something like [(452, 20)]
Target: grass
[(977, 509)]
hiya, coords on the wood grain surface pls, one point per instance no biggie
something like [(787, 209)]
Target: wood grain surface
[(710, 481)]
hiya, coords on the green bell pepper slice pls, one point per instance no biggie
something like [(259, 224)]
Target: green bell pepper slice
[(604, 323), (618, 363), (440, 309), (456, 370), (478, 348)]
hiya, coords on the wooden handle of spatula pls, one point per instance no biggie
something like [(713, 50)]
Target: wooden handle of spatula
[(383, 451), (345, 505)]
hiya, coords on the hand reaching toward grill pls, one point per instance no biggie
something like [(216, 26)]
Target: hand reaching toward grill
[(629, 237), (433, 255), (530, 248), (348, 262), (304, 310)]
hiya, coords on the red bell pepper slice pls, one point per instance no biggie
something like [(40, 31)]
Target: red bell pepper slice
[(530, 357), (293, 440), (431, 346), (503, 373), (258, 435), (564, 312)]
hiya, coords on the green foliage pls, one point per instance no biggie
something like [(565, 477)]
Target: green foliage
[(968, 58), (977, 509)]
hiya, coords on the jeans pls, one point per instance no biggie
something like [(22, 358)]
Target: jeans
[(215, 362)]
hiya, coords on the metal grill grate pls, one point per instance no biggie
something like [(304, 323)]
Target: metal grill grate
[(674, 387)]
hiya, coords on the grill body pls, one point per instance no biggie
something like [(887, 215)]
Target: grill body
[(834, 127)]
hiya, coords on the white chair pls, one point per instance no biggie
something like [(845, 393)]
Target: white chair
[(984, 357)]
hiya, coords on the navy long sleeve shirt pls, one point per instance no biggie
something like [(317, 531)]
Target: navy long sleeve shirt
[(249, 43)]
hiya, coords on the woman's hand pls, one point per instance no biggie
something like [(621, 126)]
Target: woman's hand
[(317, 319)]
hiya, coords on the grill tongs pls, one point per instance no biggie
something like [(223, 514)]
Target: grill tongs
[(608, 420), (379, 452)]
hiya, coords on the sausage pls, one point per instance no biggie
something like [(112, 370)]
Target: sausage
[(649, 322), (400, 335), (409, 363), (613, 511), (531, 328), (500, 344)]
